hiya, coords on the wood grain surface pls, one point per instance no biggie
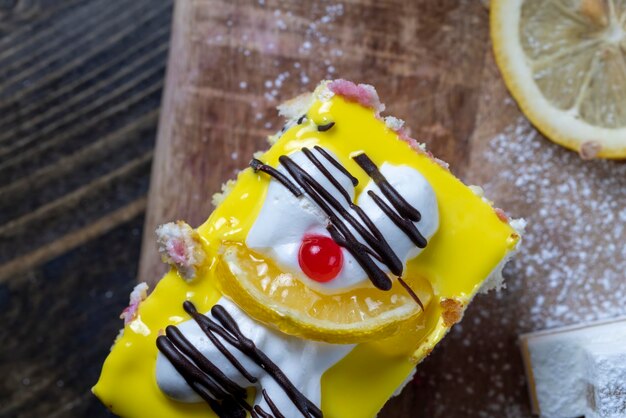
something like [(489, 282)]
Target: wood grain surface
[(425, 57), (80, 93), (80, 89), (232, 62)]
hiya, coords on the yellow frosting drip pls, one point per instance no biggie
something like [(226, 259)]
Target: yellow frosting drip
[(469, 244)]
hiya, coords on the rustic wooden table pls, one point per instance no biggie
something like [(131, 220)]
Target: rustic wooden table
[(80, 88)]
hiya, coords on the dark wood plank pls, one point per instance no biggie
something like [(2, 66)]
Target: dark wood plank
[(57, 326), (80, 89), (20, 19)]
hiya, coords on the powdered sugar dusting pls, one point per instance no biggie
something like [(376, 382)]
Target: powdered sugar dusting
[(573, 260), (303, 43), (571, 268)]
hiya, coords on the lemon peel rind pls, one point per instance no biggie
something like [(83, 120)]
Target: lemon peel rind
[(288, 320), (572, 133)]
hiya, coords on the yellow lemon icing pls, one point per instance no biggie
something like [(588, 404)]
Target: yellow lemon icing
[(470, 243)]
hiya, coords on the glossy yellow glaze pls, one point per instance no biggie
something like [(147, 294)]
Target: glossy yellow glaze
[(470, 242)]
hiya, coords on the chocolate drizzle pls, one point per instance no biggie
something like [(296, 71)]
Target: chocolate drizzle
[(320, 128), (336, 164), (258, 165), (225, 397), (404, 224), (225, 405), (325, 127), (411, 292), (402, 206), (272, 405), (377, 248)]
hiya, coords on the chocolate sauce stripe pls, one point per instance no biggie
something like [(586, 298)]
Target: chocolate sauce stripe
[(272, 405), (361, 253), (307, 152), (260, 412), (402, 206), (411, 293), (337, 164), (300, 401), (209, 327), (325, 127), (206, 395), (407, 226), (366, 220), (192, 370), (257, 165), (203, 363), (190, 373)]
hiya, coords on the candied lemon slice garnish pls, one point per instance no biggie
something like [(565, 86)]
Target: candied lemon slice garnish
[(274, 297), (563, 61)]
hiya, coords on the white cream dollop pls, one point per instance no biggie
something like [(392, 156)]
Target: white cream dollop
[(302, 361), (284, 220)]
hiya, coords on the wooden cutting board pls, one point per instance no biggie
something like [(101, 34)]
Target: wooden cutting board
[(232, 62)]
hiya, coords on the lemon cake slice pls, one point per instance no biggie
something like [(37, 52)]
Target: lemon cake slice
[(329, 269)]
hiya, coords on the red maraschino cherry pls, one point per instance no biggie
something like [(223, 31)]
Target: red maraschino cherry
[(320, 258)]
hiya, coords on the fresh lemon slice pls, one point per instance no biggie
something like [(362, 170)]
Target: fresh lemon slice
[(277, 298), (564, 62)]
